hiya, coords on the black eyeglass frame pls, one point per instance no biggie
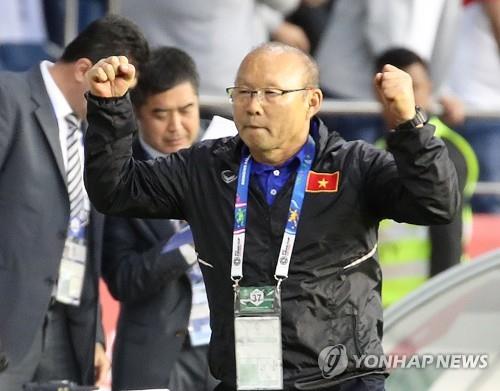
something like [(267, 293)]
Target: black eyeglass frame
[(229, 90)]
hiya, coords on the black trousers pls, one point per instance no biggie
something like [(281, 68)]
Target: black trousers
[(191, 372), (365, 383), (51, 356)]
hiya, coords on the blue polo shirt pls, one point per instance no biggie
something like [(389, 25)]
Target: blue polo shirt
[(271, 179)]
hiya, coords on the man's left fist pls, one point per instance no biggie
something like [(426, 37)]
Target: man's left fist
[(395, 89)]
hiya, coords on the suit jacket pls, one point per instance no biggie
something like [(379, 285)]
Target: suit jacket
[(34, 215), (155, 295)]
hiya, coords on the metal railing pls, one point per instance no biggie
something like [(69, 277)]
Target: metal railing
[(341, 107)]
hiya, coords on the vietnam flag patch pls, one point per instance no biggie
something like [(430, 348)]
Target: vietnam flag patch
[(322, 182)]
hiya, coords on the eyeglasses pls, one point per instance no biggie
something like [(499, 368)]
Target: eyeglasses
[(241, 95)]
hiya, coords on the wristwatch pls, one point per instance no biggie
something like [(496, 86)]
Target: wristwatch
[(419, 119)]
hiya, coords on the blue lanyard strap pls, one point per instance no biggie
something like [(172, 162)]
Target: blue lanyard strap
[(240, 214)]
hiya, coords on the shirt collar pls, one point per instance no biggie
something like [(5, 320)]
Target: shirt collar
[(153, 153), (289, 165), (57, 98)]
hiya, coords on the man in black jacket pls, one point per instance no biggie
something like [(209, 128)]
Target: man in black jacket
[(157, 344), (284, 215)]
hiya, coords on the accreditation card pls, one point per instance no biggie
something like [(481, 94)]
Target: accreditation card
[(257, 328)]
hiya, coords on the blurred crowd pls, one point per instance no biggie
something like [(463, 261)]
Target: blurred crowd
[(344, 36)]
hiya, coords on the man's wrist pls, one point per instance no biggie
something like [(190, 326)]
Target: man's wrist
[(103, 99), (419, 119)]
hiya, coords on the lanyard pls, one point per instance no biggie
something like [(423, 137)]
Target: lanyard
[(240, 215)]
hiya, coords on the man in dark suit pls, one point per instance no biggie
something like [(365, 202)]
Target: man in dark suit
[(163, 329), (50, 237)]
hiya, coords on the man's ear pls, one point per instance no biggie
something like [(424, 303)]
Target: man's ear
[(314, 101), (82, 65)]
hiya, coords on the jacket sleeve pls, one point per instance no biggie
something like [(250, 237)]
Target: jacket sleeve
[(118, 184), (414, 182), (135, 268), (446, 240)]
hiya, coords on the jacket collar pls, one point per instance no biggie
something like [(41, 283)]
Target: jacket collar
[(229, 149), (325, 139), (138, 151)]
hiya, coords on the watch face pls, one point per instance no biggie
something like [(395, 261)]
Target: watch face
[(419, 119)]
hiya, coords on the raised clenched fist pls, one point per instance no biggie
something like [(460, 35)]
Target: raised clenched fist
[(111, 77), (395, 89)]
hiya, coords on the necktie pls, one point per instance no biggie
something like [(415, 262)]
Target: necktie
[(74, 168)]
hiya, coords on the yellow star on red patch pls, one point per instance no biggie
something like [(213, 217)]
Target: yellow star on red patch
[(322, 183)]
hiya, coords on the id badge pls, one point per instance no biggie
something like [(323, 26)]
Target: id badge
[(257, 328), (71, 273)]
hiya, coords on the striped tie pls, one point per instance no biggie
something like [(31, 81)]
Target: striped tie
[(74, 168)]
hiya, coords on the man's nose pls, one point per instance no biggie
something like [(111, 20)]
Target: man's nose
[(175, 122), (254, 103)]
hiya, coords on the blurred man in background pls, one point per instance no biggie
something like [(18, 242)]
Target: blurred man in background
[(50, 235), (163, 329)]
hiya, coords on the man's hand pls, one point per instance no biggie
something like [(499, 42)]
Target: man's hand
[(101, 364), (395, 89), (111, 77)]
